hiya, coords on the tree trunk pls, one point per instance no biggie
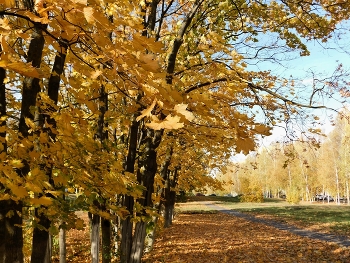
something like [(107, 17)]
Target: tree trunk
[(31, 87), (11, 238), (337, 185), (2, 232), (13, 234), (347, 191), (106, 240), (147, 168), (170, 196), (138, 242), (150, 234), (126, 234), (62, 244), (41, 238), (41, 248), (3, 149), (165, 173), (116, 238), (169, 209), (128, 201), (95, 237)]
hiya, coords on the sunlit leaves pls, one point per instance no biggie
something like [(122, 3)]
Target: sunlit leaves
[(24, 69), (192, 83), (182, 109), (170, 122), (147, 112)]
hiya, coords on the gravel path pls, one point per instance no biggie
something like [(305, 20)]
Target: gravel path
[(340, 240)]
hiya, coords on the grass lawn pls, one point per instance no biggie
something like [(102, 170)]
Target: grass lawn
[(329, 218)]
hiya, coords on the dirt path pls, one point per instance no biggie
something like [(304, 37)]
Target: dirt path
[(223, 237)]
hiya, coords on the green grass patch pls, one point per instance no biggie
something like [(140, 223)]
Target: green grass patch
[(307, 213), (321, 217), (225, 199)]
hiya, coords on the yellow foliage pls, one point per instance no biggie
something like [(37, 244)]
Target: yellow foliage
[(45, 201)]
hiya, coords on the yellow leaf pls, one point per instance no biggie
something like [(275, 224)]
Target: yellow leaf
[(95, 74), (79, 224), (150, 61), (245, 145), (34, 18), (4, 26), (147, 112), (181, 108), (34, 155), (262, 129), (7, 3), (104, 214), (91, 105), (41, 201), (89, 14), (17, 163), (30, 123), (170, 122), (44, 200), (19, 191), (10, 213), (25, 69), (82, 2)]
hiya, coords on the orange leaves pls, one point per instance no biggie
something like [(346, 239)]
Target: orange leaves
[(7, 3), (262, 129), (216, 238)]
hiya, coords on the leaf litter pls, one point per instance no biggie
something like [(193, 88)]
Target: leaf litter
[(220, 238)]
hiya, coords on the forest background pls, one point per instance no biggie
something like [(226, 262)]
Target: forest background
[(123, 104)]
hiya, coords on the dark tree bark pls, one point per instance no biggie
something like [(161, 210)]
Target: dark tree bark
[(14, 234), (13, 225), (170, 196), (103, 135), (106, 240), (147, 164), (128, 201), (3, 150), (41, 237), (150, 142), (41, 247)]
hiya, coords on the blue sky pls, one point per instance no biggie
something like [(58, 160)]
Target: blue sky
[(323, 60)]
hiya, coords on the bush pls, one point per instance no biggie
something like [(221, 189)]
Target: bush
[(293, 196), (256, 197)]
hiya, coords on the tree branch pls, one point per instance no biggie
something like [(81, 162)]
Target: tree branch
[(179, 39)]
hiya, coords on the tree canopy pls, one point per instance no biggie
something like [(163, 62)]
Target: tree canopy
[(118, 99)]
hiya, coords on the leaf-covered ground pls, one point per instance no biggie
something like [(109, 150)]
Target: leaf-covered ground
[(78, 243), (223, 238)]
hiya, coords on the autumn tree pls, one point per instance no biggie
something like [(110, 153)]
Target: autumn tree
[(95, 117)]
